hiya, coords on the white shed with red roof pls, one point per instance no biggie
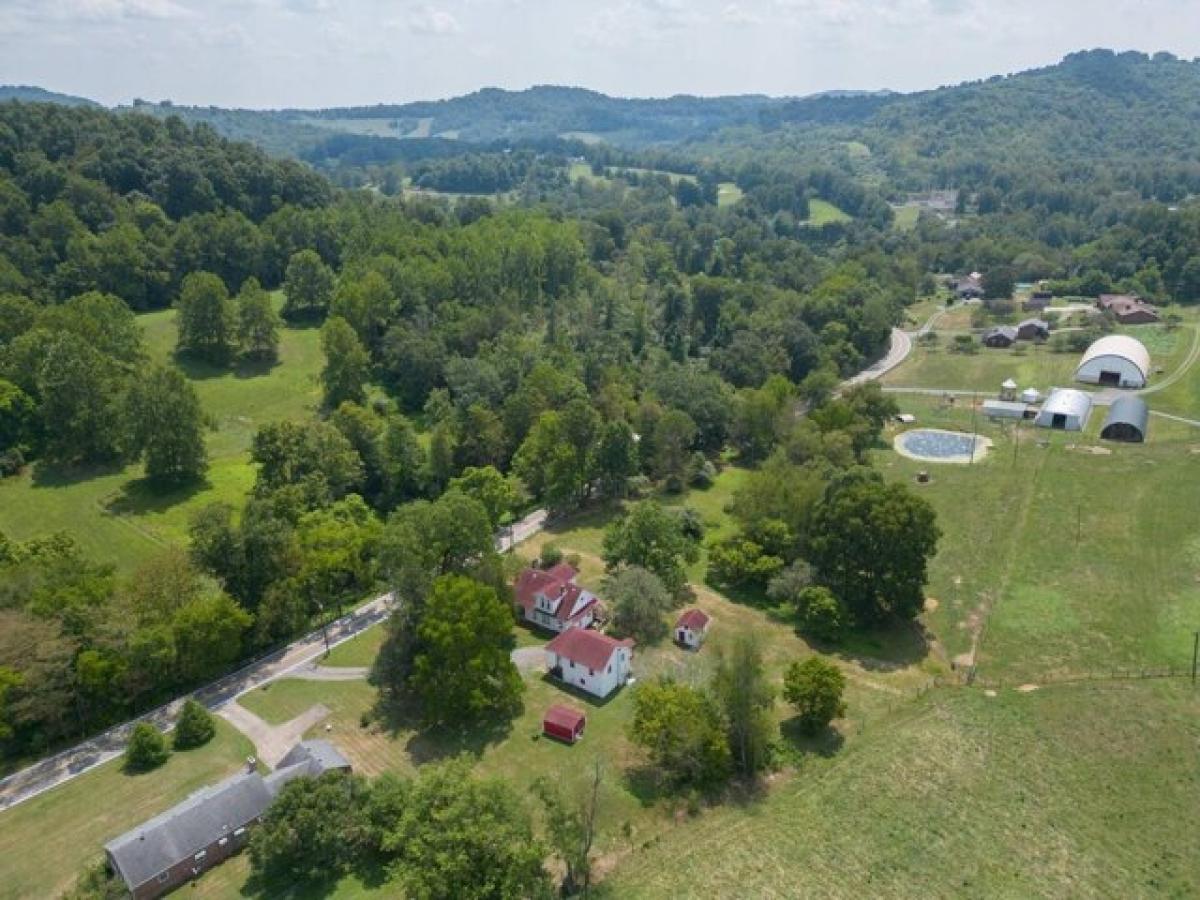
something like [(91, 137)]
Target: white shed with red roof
[(550, 598), (590, 661), (691, 628)]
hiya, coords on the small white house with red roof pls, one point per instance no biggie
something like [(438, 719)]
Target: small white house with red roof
[(691, 628), (589, 660), (550, 598)]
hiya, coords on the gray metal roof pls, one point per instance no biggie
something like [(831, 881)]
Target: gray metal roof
[(184, 830), (212, 813), (1128, 410), (1007, 331), (1067, 401)]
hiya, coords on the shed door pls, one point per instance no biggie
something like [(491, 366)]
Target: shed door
[(1111, 379)]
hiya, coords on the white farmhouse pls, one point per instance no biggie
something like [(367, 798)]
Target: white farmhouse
[(590, 661), (550, 598)]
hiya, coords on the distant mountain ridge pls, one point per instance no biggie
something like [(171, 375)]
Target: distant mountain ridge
[(30, 94), (1094, 103)]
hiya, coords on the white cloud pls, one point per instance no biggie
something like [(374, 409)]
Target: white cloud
[(110, 10), (736, 14), (432, 21)]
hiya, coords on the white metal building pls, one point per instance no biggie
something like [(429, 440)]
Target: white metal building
[(1066, 409), (1116, 360)]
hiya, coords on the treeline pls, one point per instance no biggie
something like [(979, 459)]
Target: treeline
[(128, 205)]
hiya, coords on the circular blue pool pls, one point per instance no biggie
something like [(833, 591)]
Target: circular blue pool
[(936, 445)]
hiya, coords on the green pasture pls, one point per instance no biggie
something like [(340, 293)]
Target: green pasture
[(822, 212), (112, 513), (1066, 791)]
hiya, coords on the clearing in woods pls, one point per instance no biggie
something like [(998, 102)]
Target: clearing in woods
[(110, 511)]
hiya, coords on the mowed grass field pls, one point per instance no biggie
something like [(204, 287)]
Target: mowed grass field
[(1062, 554), (1070, 791), (46, 842), (1029, 364), (822, 212), (111, 513)]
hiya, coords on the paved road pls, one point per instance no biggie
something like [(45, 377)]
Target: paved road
[(62, 767), (898, 351)]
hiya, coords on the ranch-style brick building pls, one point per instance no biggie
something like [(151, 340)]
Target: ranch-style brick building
[(209, 826)]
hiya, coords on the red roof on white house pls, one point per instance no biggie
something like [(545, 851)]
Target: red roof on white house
[(590, 649), (694, 619), (567, 599)]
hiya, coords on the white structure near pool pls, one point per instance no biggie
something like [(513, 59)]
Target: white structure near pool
[(1116, 360), (938, 445), (1065, 409)]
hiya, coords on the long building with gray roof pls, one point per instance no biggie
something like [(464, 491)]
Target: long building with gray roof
[(210, 825)]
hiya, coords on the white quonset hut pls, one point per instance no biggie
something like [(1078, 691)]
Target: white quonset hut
[(1116, 360), (1065, 409)]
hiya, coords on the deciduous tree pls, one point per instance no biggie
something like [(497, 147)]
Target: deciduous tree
[(815, 688), (146, 750), (462, 671)]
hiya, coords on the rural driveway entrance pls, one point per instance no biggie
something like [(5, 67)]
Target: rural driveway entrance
[(272, 742)]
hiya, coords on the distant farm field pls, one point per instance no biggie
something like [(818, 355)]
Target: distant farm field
[(111, 513), (822, 212)]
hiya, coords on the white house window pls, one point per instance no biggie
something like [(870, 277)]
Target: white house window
[(610, 668), (239, 832), (222, 842), (200, 856)]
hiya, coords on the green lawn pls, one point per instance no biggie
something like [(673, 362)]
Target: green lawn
[(47, 841), (906, 217), (1029, 364), (360, 650), (728, 193), (822, 212), (112, 513)]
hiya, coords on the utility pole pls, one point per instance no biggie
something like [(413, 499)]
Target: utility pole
[(1078, 522), (1195, 655), (974, 428)]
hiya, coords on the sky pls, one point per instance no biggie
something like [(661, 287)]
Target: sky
[(314, 53)]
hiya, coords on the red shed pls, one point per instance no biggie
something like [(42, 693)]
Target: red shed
[(564, 723)]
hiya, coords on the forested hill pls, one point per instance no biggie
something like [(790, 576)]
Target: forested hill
[(28, 94), (549, 111), (1096, 106), (90, 200)]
